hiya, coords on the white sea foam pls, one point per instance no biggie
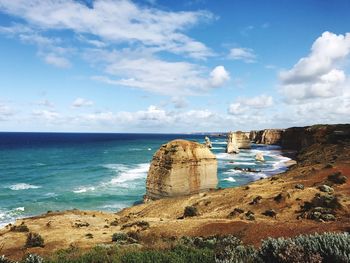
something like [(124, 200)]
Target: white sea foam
[(131, 174), (23, 186), (216, 142), (9, 216), (230, 179), (80, 190)]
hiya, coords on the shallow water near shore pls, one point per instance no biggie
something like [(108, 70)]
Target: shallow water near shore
[(57, 171)]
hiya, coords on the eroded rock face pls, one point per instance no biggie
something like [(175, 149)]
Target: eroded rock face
[(237, 140), (181, 167), (208, 142), (268, 136)]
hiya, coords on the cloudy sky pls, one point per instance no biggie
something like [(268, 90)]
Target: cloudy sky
[(173, 66)]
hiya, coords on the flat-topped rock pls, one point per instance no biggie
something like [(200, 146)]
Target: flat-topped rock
[(237, 140), (181, 167)]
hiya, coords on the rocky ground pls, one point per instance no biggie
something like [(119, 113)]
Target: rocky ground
[(313, 196)]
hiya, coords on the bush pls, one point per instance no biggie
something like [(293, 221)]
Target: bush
[(337, 178), (179, 254), (327, 247), (4, 259), (239, 254), (190, 211), (118, 237), (21, 228), (32, 258), (34, 240)]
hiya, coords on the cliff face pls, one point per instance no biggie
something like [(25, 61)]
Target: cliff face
[(237, 140), (180, 168), (268, 136), (297, 138)]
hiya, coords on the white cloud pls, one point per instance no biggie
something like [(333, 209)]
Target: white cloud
[(163, 77), (47, 115), (45, 103), (179, 102), (245, 54), (245, 105), (57, 61), (321, 73), (115, 21), (219, 76), (81, 102), (5, 112)]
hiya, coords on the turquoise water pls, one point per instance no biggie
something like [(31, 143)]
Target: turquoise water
[(41, 172)]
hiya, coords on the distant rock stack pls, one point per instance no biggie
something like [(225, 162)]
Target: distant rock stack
[(208, 142), (181, 167), (259, 157), (237, 140)]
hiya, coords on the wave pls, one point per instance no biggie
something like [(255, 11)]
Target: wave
[(80, 190), (131, 174), (230, 179), (10, 216), (23, 186)]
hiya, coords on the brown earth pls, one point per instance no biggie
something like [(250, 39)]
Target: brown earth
[(315, 163)]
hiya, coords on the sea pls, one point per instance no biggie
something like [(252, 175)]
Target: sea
[(42, 172)]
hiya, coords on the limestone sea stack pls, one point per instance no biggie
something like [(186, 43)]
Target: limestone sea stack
[(259, 157), (237, 140), (181, 167), (208, 142)]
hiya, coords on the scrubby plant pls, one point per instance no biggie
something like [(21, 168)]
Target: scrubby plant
[(4, 259), (337, 178), (327, 247), (143, 225), (118, 237), (238, 254), (190, 211), (33, 258), (20, 228), (34, 240)]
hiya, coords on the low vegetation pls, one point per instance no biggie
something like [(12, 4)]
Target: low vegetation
[(317, 248)]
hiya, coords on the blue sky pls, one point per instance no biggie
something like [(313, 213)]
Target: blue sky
[(173, 66)]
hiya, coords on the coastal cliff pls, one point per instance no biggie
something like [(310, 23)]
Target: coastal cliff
[(181, 168), (297, 138), (237, 140), (312, 196)]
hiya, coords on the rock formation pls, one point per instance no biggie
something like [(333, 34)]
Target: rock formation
[(207, 142), (259, 157), (181, 167), (268, 136), (237, 140)]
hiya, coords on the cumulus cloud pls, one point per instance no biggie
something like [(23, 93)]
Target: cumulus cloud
[(115, 21), (81, 102), (47, 115), (321, 73), (244, 105), (57, 61), (245, 54), (163, 77), (5, 112), (218, 76), (179, 102)]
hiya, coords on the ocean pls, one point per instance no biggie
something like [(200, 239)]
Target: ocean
[(42, 172)]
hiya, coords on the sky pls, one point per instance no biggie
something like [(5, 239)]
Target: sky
[(173, 66)]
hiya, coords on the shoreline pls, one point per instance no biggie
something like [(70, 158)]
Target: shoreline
[(286, 164)]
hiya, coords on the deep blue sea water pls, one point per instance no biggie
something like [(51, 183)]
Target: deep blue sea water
[(60, 171)]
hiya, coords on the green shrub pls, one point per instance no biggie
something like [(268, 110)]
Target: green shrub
[(4, 259), (21, 228), (118, 237), (179, 254), (190, 211), (238, 254), (34, 240), (327, 247), (32, 258)]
